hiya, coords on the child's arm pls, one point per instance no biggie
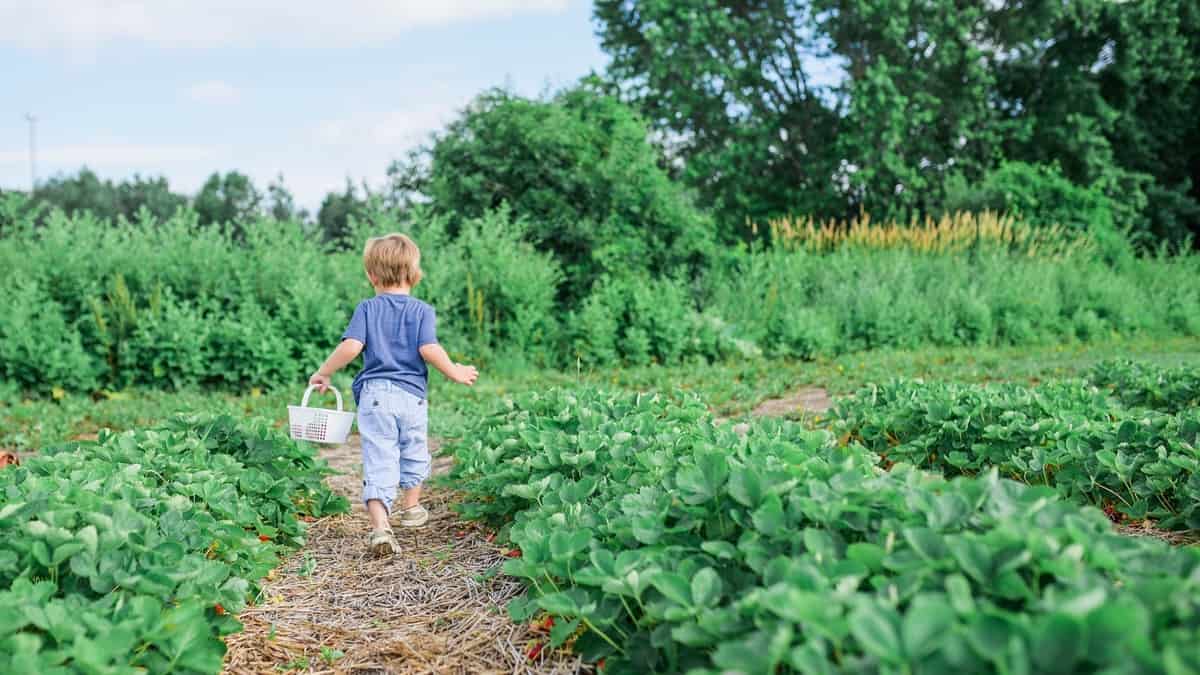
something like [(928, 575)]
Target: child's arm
[(341, 357), (437, 357)]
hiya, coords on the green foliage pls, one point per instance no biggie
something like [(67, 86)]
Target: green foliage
[(805, 304), (169, 305), (1035, 195), (86, 192), (579, 168), (334, 219), (228, 199), (1139, 463), (679, 546), (784, 107), (734, 92), (131, 553), (1135, 384), (635, 320), (172, 305)]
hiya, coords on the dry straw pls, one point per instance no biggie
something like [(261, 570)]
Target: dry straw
[(952, 233), (438, 607)]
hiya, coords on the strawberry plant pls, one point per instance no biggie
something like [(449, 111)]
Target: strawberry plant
[(1070, 436), (130, 554), (1171, 390), (660, 542)]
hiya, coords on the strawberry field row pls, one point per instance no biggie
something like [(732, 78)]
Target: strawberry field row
[(131, 554), (660, 542), (1136, 463)]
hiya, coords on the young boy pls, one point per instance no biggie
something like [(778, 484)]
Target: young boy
[(397, 335)]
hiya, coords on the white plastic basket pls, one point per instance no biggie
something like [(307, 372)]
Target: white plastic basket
[(318, 424)]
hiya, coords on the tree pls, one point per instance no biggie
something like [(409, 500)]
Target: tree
[(280, 204), (1109, 91), (731, 87), (1105, 90), (230, 198), (919, 99), (337, 209), (85, 191), (578, 166)]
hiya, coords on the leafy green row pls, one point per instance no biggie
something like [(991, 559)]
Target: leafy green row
[(664, 543), (1143, 464), (131, 554), (1146, 386)]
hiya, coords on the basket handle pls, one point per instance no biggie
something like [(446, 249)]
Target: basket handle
[(308, 392)]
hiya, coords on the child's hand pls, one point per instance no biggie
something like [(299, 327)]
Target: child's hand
[(465, 374), (321, 382)]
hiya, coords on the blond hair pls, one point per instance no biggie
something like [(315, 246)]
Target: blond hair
[(392, 260)]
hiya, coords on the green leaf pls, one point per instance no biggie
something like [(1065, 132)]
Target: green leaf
[(562, 604), (875, 628), (706, 588), (927, 543), (1058, 642), (769, 518), (562, 630), (959, 590), (521, 609), (925, 625), (745, 486), (720, 549), (674, 587), (868, 555)]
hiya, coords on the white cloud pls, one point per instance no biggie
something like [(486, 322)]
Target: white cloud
[(85, 24), (213, 91), (110, 154), (391, 130)]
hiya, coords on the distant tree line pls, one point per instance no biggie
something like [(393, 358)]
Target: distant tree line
[(229, 199)]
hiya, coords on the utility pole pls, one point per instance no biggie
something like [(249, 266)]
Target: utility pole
[(32, 151)]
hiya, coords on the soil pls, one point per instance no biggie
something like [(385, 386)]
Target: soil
[(806, 400)]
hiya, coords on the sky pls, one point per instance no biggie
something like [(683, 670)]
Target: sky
[(314, 90)]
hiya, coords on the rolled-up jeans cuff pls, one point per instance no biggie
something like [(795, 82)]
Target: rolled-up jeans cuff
[(372, 491)]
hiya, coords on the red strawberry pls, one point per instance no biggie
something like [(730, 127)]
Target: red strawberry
[(600, 664), (219, 609), (263, 537), (515, 553), (534, 650)]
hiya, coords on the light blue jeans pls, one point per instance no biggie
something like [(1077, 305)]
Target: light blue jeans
[(394, 426)]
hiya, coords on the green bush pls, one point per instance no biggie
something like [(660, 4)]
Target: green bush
[(580, 168), (637, 320), (1036, 194), (804, 304), (171, 304)]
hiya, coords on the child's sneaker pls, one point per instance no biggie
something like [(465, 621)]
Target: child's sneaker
[(414, 516), (383, 543)]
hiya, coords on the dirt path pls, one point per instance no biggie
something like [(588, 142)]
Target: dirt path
[(806, 400), (438, 607)]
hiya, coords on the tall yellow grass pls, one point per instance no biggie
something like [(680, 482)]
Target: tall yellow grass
[(952, 233)]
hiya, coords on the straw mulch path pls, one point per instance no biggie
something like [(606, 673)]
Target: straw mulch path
[(438, 607)]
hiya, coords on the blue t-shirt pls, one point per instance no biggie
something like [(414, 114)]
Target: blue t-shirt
[(393, 327)]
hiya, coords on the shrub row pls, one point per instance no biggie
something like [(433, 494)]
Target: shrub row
[(171, 304), (132, 553)]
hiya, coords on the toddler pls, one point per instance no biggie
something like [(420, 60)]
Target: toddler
[(397, 336)]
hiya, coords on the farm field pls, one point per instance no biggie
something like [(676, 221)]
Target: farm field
[(740, 571), (799, 337)]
